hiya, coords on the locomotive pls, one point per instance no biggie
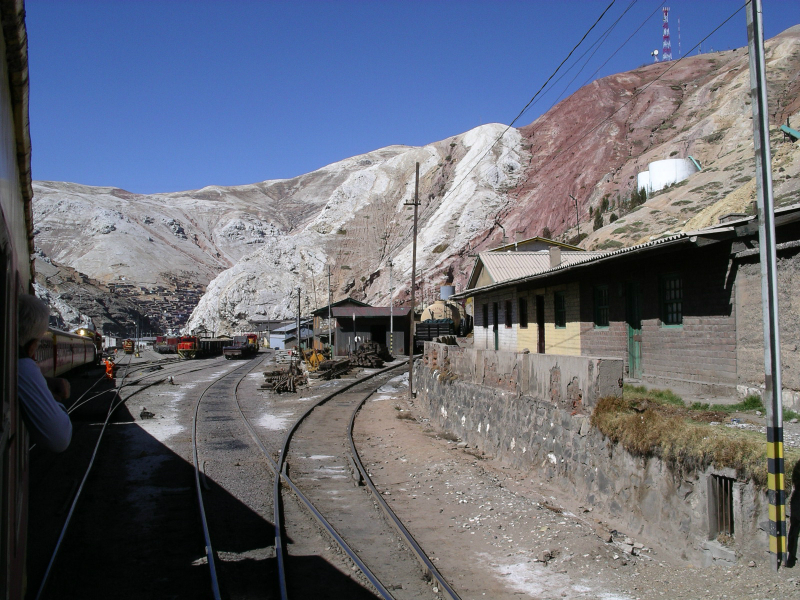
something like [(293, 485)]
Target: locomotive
[(127, 346)]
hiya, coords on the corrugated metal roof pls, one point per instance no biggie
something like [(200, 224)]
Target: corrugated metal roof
[(787, 214), (584, 258), (504, 266), (368, 311)]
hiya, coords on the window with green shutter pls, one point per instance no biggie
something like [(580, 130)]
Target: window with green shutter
[(601, 306), (671, 300)]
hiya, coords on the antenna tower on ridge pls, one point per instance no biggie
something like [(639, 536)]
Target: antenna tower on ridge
[(666, 53)]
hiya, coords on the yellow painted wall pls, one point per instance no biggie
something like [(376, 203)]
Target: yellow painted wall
[(528, 337), (483, 278), (564, 340)]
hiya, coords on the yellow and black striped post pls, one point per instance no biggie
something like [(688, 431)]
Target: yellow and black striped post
[(776, 485)]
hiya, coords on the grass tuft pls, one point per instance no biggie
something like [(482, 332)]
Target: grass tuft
[(682, 436)]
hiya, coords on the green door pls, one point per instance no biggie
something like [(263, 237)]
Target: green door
[(634, 317)]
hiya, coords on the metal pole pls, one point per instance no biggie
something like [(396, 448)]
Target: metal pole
[(415, 204), (391, 310), (330, 337), (769, 286), (298, 322)]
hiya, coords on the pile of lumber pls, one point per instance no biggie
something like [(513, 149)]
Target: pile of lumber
[(367, 355), (283, 381), (333, 369)]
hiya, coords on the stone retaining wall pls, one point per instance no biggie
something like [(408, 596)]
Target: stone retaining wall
[(532, 412)]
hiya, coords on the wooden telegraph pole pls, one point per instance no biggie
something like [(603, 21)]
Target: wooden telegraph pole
[(415, 204)]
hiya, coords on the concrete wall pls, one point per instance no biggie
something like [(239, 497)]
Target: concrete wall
[(511, 406), (573, 382)]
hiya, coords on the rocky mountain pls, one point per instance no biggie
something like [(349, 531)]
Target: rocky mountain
[(256, 244), (75, 299)]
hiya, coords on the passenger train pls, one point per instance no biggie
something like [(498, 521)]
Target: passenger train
[(60, 352), (16, 277)]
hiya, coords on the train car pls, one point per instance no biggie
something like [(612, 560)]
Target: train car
[(242, 346), (166, 345), (16, 277), (60, 352), (211, 346), (128, 346)]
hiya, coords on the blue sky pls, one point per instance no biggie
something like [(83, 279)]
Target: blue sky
[(168, 95)]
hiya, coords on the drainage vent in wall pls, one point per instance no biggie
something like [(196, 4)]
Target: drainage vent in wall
[(720, 505)]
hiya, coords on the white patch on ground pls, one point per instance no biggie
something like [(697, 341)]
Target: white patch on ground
[(275, 422), (395, 386), (162, 430), (319, 457), (535, 580), (335, 472), (255, 375)]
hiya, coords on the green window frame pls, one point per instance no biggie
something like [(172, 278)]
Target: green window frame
[(672, 300), (601, 307), (560, 307)]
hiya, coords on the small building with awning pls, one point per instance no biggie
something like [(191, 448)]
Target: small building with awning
[(389, 327)]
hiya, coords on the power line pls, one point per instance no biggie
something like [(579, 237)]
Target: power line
[(530, 102), (672, 64)]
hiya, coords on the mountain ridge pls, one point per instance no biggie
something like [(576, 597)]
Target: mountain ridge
[(254, 244)]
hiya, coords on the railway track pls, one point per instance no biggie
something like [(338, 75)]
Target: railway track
[(132, 379), (320, 466), (220, 478)]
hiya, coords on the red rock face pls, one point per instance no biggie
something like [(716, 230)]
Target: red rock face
[(594, 143)]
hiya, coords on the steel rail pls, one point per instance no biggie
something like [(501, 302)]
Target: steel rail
[(281, 474), (393, 519), (206, 533), (77, 404)]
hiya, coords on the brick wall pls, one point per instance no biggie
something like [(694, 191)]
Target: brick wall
[(701, 352), (750, 327)]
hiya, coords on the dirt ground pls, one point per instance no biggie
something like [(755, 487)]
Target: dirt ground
[(496, 532)]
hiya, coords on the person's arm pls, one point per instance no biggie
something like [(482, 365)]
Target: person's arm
[(59, 387), (47, 420)]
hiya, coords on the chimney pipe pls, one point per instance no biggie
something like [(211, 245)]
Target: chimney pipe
[(555, 256)]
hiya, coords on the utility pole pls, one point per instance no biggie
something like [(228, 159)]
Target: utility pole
[(391, 309), (769, 286), (298, 321), (415, 204), (577, 221), (330, 338)]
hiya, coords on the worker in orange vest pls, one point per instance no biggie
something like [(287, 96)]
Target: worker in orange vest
[(110, 367)]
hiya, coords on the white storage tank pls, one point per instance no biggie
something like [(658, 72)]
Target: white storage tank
[(662, 173)]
